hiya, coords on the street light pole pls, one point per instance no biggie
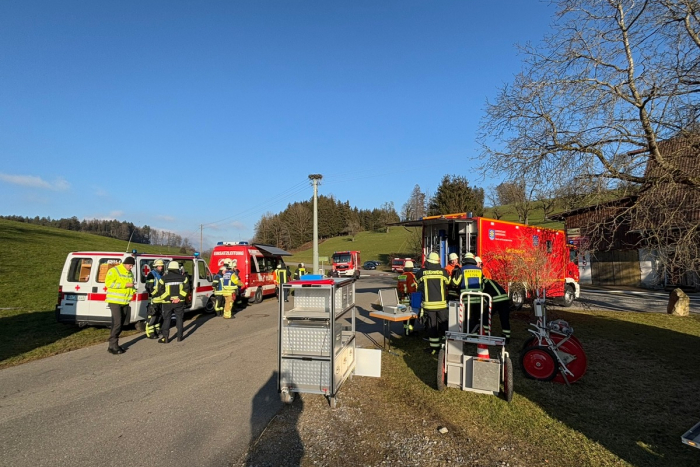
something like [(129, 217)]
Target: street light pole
[(315, 180)]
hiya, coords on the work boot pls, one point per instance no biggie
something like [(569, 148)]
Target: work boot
[(117, 351), (163, 340)]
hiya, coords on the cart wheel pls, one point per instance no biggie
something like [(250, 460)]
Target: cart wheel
[(578, 365), (286, 396), (573, 346), (508, 379), (441, 372), (539, 363)]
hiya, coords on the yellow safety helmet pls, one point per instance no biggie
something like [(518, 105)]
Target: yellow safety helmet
[(173, 265), (434, 258), (453, 256), (408, 265), (158, 262), (469, 256)]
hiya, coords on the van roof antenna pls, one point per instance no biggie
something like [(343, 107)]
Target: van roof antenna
[(129, 243)]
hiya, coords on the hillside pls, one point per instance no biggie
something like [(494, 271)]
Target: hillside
[(32, 257), (372, 245)]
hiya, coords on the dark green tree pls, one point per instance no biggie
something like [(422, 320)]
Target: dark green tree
[(454, 195)]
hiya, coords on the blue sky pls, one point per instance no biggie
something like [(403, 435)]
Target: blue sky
[(181, 113)]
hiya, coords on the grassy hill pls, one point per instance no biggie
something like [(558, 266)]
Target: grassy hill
[(379, 246)]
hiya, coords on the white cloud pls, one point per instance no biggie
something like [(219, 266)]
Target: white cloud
[(112, 216), (32, 181)]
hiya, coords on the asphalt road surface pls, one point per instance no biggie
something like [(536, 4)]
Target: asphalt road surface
[(198, 402)]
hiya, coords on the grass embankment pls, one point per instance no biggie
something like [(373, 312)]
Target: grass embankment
[(631, 407), (31, 260)]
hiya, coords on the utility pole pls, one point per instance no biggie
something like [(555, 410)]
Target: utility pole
[(201, 236), (315, 179)]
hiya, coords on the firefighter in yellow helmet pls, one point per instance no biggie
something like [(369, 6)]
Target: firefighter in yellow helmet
[(229, 285), (433, 282), (155, 308)]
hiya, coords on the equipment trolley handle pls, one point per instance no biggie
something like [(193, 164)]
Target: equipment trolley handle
[(482, 296)]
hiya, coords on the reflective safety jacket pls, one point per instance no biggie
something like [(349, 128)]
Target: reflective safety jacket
[(152, 282), (116, 280), (456, 277), (472, 281), (494, 289), (229, 282), (433, 282), (216, 284), (299, 272), (173, 285), (281, 276)]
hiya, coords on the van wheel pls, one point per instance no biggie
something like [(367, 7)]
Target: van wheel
[(140, 326), (258, 296), (209, 307)]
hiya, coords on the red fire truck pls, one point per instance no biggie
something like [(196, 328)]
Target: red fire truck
[(255, 263), (346, 263), (523, 258)]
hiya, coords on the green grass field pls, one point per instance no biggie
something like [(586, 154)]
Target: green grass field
[(637, 398)]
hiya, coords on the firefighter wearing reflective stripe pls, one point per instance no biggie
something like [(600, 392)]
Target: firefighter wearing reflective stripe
[(174, 286), (218, 291), (501, 305), (155, 308), (455, 272), (120, 288), (472, 282), (229, 287), (280, 275), (301, 270), (433, 281)]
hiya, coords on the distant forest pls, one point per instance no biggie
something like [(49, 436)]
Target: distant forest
[(121, 230)]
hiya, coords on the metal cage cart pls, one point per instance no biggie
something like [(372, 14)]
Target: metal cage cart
[(553, 353), (316, 337), (481, 374)]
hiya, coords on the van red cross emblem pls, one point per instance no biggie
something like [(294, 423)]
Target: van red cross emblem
[(104, 288), (77, 287)]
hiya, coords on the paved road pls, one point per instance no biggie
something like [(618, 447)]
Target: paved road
[(629, 300), (198, 402)]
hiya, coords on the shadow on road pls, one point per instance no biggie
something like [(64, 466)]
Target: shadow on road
[(265, 442)]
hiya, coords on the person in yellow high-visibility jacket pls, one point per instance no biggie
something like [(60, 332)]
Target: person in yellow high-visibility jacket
[(230, 284), (281, 278), (120, 289)]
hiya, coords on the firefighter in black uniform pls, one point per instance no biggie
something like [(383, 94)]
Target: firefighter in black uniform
[(174, 286), (433, 281), (501, 305), (155, 308)]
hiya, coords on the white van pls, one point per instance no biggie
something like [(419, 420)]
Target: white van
[(82, 290)]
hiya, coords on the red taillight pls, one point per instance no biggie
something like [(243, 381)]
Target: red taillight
[(60, 294)]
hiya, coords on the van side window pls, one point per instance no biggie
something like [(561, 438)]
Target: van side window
[(254, 265), (105, 265), (80, 270), (204, 271)]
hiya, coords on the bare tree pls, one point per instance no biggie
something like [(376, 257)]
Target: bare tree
[(519, 196), (596, 99), (546, 201), (497, 209), (415, 207)]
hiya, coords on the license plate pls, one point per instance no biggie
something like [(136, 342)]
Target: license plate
[(75, 297)]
